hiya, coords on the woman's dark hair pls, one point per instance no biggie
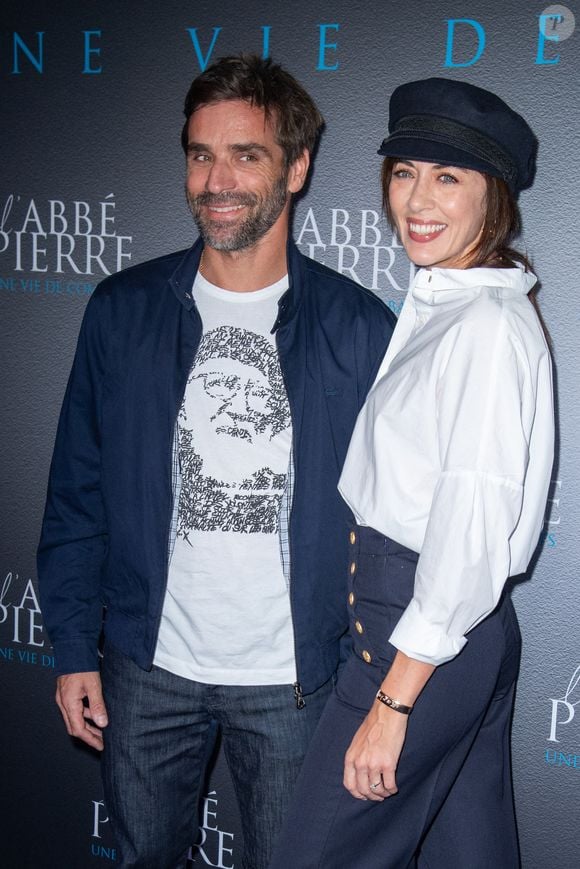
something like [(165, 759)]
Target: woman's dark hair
[(502, 223), (262, 83)]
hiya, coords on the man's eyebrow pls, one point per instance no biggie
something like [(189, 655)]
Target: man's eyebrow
[(238, 148), (197, 147), (250, 146)]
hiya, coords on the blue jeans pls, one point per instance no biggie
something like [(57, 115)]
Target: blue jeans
[(157, 746)]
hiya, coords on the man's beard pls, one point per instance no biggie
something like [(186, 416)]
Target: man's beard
[(264, 212)]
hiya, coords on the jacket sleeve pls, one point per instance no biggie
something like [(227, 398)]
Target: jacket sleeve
[(74, 531)]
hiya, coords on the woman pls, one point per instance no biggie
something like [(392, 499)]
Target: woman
[(447, 475)]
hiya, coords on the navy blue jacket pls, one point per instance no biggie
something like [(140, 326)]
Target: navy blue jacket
[(107, 521)]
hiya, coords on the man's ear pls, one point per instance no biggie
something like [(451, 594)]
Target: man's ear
[(298, 172)]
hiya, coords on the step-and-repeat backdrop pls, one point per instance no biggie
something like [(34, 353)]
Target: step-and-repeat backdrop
[(91, 182)]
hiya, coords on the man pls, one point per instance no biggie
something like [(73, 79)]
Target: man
[(193, 485)]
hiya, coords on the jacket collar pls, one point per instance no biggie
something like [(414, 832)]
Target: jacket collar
[(290, 301), (183, 278)]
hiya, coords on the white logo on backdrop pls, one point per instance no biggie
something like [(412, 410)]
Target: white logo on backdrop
[(215, 846), (57, 237), (553, 516), (564, 708), (21, 623), (100, 828), (358, 244)]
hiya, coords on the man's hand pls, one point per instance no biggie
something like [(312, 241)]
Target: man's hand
[(83, 721)]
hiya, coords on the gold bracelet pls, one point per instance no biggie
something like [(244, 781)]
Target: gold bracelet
[(393, 704)]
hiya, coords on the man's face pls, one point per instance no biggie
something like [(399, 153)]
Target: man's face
[(237, 183)]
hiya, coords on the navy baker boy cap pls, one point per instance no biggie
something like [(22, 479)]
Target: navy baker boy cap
[(458, 124)]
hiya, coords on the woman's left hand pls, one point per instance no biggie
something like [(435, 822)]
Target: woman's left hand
[(373, 754)]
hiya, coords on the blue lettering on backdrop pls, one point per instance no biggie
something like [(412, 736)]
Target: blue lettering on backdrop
[(105, 850), (266, 41), (88, 50), (327, 60), (480, 32), (105, 853), (469, 30), (25, 657), (559, 758), (324, 46), (544, 36), (203, 61), (18, 44)]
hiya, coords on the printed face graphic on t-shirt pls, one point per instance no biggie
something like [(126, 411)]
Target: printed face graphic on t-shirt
[(239, 398), (233, 435)]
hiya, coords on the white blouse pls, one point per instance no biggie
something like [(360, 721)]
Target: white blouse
[(452, 452)]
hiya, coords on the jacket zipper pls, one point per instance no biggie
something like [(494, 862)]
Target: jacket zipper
[(300, 701)]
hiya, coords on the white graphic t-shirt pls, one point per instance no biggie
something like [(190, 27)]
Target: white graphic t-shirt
[(226, 615)]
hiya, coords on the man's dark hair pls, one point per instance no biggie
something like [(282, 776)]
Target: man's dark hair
[(262, 83)]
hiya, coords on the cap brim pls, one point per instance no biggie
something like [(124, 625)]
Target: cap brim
[(425, 150)]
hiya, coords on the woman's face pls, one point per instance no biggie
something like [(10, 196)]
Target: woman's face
[(438, 211)]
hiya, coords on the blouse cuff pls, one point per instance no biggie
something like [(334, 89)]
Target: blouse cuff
[(422, 640)]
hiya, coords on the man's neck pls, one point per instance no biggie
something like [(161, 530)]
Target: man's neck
[(253, 268)]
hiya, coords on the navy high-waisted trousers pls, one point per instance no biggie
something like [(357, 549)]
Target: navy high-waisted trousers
[(454, 808)]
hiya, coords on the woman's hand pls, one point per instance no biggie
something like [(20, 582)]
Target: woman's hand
[(373, 754)]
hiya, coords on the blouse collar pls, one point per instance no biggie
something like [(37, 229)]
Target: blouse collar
[(437, 286)]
